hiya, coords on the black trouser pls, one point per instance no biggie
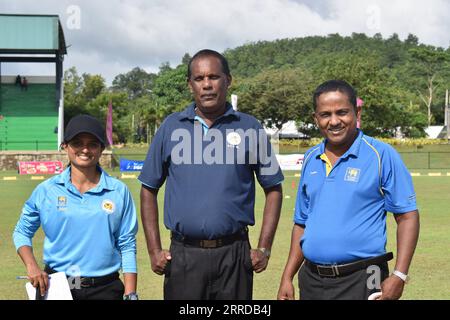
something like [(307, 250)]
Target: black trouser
[(223, 273), (112, 290), (358, 285)]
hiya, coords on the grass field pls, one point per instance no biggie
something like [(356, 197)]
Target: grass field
[(429, 271)]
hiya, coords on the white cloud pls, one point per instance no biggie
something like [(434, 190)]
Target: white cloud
[(117, 35)]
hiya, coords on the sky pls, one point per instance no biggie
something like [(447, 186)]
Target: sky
[(110, 37)]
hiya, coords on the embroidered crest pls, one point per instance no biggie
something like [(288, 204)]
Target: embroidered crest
[(233, 138), (62, 203), (108, 206), (352, 174)]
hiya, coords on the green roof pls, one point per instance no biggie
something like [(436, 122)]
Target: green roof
[(31, 33)]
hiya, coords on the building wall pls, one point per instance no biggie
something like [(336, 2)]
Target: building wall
[(9, 159)]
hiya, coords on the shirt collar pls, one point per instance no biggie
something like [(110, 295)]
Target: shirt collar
[(189, 112), (103, 184), (353, 150)]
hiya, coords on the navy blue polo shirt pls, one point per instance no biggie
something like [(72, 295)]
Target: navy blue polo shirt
[(210, 174), (344, 211)]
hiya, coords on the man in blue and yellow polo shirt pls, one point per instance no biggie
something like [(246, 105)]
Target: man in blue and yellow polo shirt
[(348, 183)]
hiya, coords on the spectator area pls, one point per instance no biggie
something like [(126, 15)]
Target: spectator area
[(28, 118)]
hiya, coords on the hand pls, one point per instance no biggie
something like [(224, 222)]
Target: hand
[(392, 288), (38, 277), (159, 260), (259, 260), (286, 291)]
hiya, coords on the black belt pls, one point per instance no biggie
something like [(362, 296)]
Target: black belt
[(213, 243), (87, 282), (339, 270)]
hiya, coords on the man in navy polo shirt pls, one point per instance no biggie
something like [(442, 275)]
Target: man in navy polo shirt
[(208, 156), (348, 183)]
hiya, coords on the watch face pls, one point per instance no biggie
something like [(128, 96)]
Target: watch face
[(131, 296)]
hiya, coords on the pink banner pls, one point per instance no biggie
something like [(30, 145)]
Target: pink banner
[(109, 124), (359, 103), (40, 167)]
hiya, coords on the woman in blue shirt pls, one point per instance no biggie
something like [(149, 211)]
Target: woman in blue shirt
[(89, 221)]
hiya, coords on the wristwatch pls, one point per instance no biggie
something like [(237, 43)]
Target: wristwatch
[(131, 296), (401, 275), (265, 251)]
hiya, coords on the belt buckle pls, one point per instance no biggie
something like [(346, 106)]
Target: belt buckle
[(333, 268), (209, 243)]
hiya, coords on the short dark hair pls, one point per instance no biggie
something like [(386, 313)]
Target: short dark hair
[(335, 85), (209, 52)]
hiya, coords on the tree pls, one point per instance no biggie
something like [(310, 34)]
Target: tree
[(276, 96), (164, 67), (384, 102), (412, 40), (136, 83), (429, 62), (79, 91), (186, 58), (93, 85), (170, 90), (98, 108), (81, 94), (73, 102)]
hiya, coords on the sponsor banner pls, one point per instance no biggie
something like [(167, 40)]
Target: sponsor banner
[(40, 167), (290, 161), (287, 162), (131, 165)]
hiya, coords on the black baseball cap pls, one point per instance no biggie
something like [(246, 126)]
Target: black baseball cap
[(84, 123)]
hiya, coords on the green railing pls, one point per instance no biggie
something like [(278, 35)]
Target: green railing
[(29, 145), (426, 160)]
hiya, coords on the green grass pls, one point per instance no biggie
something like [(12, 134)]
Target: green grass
[(429, 270), (430, 157)]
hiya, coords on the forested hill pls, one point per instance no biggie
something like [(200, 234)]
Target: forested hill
[(402, 82), (250, 59)]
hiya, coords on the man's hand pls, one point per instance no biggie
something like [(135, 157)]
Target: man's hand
[(392, 288), (286, 290), (259, 260), (159, 260)]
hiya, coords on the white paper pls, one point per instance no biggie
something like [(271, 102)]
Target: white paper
[(58, 288), (374, 296)]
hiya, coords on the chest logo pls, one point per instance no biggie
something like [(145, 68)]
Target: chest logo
[(108, 206), (352, 174), (233, 138), (62, 203)]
